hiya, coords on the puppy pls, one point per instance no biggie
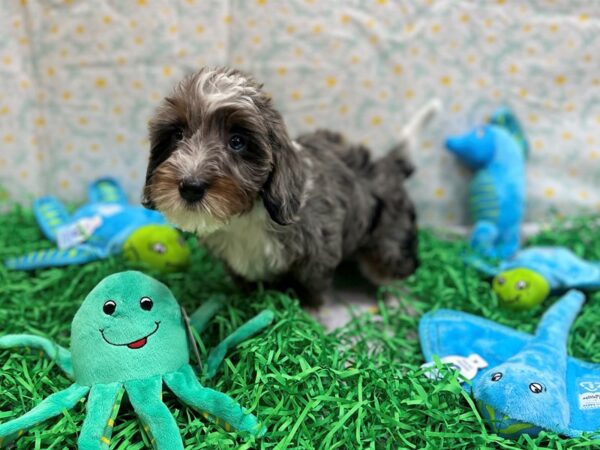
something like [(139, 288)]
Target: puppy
[(223, 166)]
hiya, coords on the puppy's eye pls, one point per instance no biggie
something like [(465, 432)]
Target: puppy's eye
[(178, 134), (237, 142)]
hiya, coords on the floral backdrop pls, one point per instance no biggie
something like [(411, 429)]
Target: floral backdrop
[(79, 80)]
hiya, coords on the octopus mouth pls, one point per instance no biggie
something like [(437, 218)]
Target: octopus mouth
[(139, 343)]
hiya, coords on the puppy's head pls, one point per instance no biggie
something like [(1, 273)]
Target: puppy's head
[(217, 147)]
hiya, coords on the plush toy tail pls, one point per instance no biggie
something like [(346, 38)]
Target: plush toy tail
[(417, 124), (554, 327), (55, 352), (50, 215), (107, 190), (505, 118), (50, 258)]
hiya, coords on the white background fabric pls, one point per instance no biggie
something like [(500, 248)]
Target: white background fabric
[(81, 78)]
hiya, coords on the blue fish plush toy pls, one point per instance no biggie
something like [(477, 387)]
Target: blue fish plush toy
[(528, 383), (496, 152)]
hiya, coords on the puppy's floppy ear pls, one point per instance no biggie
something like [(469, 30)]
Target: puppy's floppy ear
[(282, 193)]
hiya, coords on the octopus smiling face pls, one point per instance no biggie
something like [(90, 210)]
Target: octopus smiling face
[(129, 327)]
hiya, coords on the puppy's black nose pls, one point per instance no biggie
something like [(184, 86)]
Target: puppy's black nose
[(192, 190)]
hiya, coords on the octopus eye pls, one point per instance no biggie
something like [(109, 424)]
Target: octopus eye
[(497, 376), (521, 285), (159, 248), (109, 307), (536, 388), (146, 303)]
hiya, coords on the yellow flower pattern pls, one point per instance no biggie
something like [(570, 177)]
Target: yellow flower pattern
[(100, 68)]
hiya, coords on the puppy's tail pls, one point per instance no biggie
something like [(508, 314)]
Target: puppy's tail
[(417, 124), (398, 159)]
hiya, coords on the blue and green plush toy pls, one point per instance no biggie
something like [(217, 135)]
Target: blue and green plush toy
[(130, 336), (105, 226), (526, 279), (529, 383), (496, 152)]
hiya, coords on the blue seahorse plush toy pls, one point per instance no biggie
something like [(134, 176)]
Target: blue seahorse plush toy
[(105, 226), (497, 153), (528, 383)]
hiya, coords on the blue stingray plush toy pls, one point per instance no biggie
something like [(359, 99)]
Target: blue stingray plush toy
[(496, 152), (105, 226), (529, 383)]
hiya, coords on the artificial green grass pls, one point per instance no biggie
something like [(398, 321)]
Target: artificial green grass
[(358, 387)]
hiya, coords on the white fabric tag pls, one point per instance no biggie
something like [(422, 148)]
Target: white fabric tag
[(468, 366), (74, 234)]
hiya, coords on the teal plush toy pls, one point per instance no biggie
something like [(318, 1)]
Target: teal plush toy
[(105, 226), (496, 153), (526, 279), (129, 336), (522, 384)]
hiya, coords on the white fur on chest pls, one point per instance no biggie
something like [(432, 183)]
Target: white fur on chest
[(248, 246)]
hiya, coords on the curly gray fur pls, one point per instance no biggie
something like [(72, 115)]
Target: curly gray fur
[(280, 210)]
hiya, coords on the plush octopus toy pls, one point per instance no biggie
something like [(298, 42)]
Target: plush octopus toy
[(129, 335)]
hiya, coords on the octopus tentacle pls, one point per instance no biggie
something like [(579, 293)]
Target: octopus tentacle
[(146, 398), (102, 408), (61, 355), (248, 329), (49, 407), (200, 318), (226, 411)]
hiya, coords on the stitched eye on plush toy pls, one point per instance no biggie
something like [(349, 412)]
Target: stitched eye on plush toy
[(536, 388), (146, 303), (521, 285), (500, 280), (237, 142), (497, 376), (181, 241), (109, 307), (158, 247)]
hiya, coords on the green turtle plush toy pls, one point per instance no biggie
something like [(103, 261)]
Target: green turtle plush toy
[(129, 335), (105, 226)]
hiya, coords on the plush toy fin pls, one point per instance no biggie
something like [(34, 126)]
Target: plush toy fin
[(505, 118), (250, 328), (107, 190), (51, 258), (55, 352), (50, 215)]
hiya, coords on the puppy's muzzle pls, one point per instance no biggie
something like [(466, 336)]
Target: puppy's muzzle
[(192, 191)]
